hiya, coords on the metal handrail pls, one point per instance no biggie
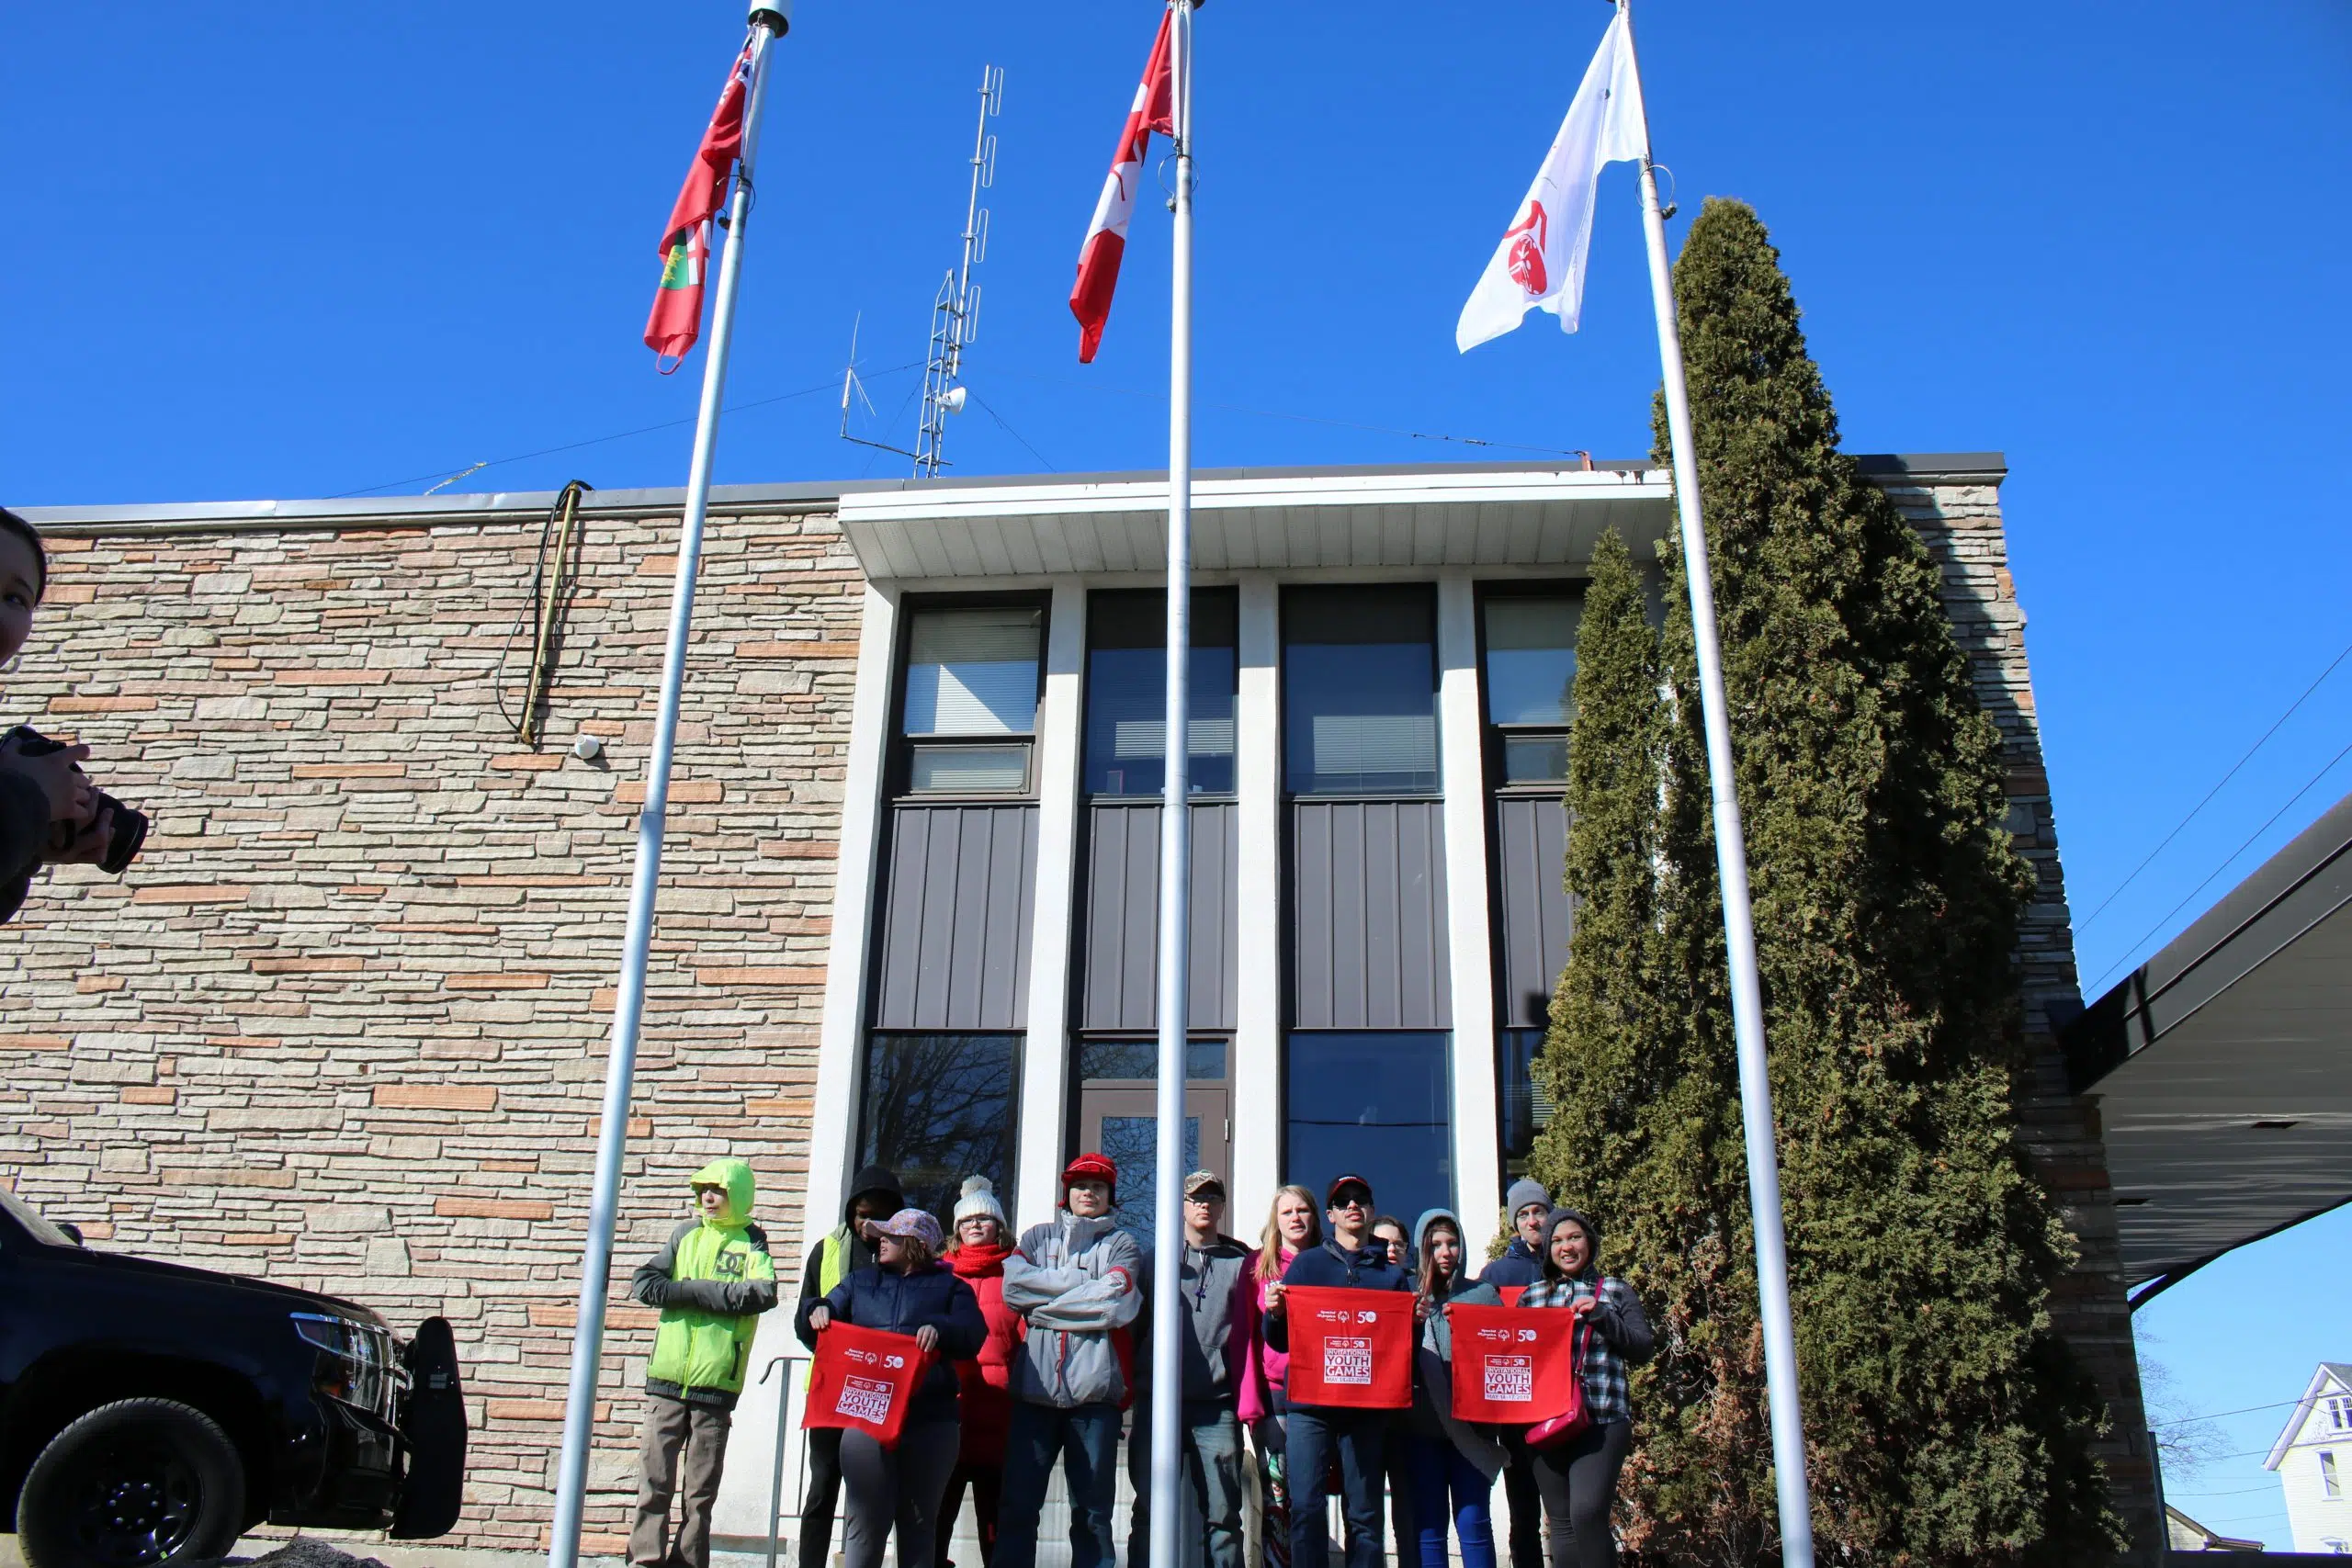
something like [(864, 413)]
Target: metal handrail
[(783, 1424)]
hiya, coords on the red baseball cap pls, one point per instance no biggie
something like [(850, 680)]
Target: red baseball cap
[(1331, 1194)]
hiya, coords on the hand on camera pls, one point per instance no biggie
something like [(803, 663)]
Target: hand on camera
[(59, 776), (90, 842)]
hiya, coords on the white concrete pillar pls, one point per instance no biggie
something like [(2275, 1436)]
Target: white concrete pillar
[(1258, 979), (1045, 1054), (1478, 1153)]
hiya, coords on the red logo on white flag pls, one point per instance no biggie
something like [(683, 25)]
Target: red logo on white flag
[(1526, 238)]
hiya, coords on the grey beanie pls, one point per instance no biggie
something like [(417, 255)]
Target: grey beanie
[(979, 1197), (1523, 1192)]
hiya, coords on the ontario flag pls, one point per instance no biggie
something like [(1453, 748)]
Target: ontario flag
[(1106, 237), (676, 321)]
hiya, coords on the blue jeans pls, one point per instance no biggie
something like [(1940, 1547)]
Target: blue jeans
[(1437, 1467), (1316, 1434), (1212, 1441), (1086, 1438)]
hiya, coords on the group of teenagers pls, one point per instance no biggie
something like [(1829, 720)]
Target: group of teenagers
[(1035, 1346)]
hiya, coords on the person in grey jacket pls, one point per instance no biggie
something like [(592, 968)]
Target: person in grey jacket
[(1077, 1282), (1216, 1283)]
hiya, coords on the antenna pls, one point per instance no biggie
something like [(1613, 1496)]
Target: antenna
[(955, 310)]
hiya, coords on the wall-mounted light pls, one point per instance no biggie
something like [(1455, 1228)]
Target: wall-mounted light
[(587, 748)]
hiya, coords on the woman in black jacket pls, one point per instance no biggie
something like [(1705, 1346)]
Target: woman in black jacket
[(905, 1291)]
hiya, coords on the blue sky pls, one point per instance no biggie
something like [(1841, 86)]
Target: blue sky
[(282, 251)]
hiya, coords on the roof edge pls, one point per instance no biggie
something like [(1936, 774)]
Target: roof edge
[(419, 511)]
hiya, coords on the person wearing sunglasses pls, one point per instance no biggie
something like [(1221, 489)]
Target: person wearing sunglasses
[(1350, 1259)]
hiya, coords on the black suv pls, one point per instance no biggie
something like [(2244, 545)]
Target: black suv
[(149, 1414)]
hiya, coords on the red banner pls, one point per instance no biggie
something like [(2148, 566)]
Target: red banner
[(1514, 1366), (1350, 1347), (863, 1380), (1511, 1294)]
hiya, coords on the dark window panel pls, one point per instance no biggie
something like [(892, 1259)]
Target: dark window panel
[(1378, 1105), (1099, 1060), (1360, 690), (1127, 693), (1523, 1107), (938, 1107)]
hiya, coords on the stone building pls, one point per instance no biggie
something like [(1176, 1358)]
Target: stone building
[(344, 1023)]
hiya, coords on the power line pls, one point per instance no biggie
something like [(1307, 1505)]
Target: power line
[(992, 413), (2218, 1414), (2084, 924), (600, 440), (2309, 785)]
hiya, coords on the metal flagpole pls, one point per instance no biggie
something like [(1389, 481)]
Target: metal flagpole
[(1168, 1327), (772, 18), (1739, 921)]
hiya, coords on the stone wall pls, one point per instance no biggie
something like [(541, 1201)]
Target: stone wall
[(1962, 525), (344, 1024)]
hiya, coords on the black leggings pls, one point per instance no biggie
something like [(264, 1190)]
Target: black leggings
[(1579, 1481)]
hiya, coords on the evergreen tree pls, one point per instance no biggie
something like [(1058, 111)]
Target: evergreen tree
[(1945, 1422)]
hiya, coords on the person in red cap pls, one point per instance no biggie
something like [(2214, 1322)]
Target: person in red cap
[(1075, 1280)]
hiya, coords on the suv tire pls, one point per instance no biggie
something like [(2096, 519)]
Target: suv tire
[(138, 1483)]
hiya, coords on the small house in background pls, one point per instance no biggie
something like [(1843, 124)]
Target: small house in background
[(2185, 1534), (2313, 1458)]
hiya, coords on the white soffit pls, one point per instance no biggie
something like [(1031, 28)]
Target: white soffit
[(1474, 517)]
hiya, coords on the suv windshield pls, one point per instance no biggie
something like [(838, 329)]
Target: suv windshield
[(42, 1230)]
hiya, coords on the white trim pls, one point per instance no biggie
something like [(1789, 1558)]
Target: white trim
[(1045, 1054), (1258, 968), (1478, 1154), (1468, 485), (742, 1500)]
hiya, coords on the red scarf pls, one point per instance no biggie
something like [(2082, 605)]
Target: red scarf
[(978, 1262)]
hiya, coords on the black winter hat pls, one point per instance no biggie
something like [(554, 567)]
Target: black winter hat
[(879, 1178)]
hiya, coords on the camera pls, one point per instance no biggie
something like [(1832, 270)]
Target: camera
[(130, 830)]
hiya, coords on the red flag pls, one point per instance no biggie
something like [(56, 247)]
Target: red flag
[(1106, 237), (863, 1380), (1512, 1365), (676, 320), (1351, 1347)]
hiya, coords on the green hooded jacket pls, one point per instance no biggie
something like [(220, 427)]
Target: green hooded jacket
[(711, 1283)]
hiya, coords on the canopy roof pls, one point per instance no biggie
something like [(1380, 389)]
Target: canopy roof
[(2224, 1066)]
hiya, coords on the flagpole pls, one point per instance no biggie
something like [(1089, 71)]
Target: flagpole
[(1168, 1326), (1739, 921), (771, 18)]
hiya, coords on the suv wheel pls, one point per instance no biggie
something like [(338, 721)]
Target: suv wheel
[(139, 1483)]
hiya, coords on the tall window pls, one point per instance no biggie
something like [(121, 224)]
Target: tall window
[(1530, 666), (970, 706), (1377, 1105), (1524, 1107), (1127, 692), (939, 1107), (2330, 1483), (1360, 690)]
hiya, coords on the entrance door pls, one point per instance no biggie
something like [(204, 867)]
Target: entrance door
[(1123, 1121)]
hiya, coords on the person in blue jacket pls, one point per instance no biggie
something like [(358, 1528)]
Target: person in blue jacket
[(906, 1289), (1521, 1265), (1350, 1260)]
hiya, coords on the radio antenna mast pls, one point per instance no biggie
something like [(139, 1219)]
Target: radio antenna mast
[(956, 312)]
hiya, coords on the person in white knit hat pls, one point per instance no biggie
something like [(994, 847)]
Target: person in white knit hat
[(982, 1242)]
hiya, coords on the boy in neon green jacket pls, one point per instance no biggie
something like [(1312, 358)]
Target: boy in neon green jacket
[(711, 1283)]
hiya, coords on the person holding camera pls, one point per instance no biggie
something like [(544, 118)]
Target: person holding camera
[(49, 813)]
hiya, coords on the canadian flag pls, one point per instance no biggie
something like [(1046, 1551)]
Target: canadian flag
[(1106, 237), (1539, 263)]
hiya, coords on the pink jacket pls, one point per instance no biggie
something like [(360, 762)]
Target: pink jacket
[(1267, 1369)]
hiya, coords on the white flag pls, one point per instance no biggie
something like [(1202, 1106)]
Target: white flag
[(1539, 263)]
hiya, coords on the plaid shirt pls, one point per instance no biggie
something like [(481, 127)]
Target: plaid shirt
[(1605, 1368)]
